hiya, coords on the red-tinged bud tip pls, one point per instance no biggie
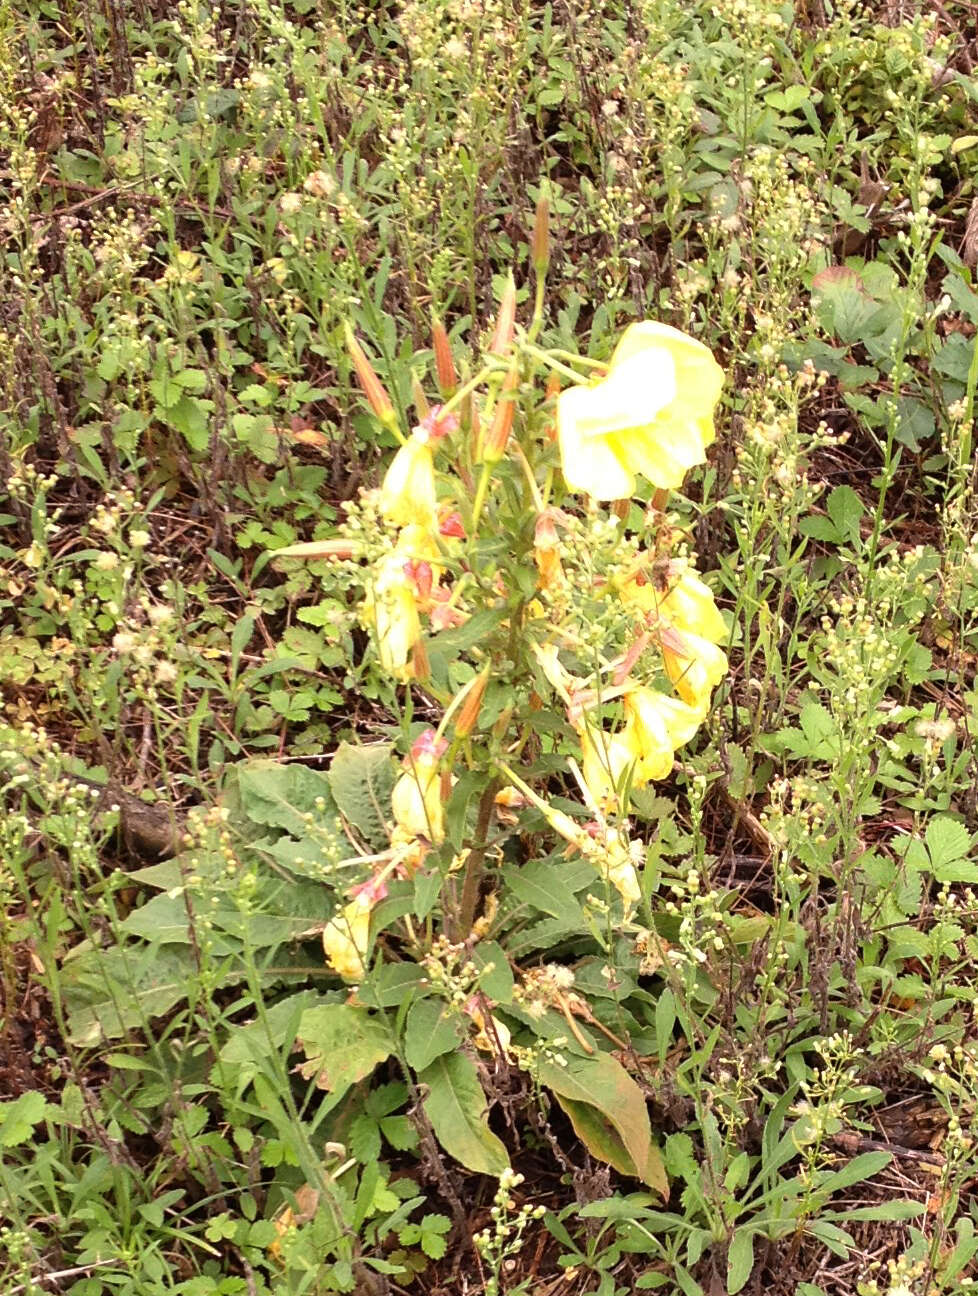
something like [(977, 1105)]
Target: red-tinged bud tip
[(438, 425), (375, 890), (373, 388), (428, 746), (451, 525)]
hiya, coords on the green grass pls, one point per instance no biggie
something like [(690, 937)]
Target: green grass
[(195, 747)]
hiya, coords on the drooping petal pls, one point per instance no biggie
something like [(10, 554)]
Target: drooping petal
[(346, 938), (695, 668), (407, 494), (656, 726)]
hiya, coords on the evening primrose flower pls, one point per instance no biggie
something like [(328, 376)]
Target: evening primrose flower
[(694, 665), (676, 593), (606, 760), (391, 606), (416, 800), (346, 937), (652, 415), (655, 725), (407, 494)]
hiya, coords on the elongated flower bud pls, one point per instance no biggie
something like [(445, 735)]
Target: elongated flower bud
[(468, 712), (540, 247), (502, 423), (505, 320), (419, 398), (373, 388), (444, 363)]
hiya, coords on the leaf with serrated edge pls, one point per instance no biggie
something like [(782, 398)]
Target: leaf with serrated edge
[(342, 1045), (361, 779)]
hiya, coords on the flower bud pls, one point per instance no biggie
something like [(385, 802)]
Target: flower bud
[(505, 320), (373, 388), (540, 246), (468, 712), (444, 363), (419, 398), (502, 424)]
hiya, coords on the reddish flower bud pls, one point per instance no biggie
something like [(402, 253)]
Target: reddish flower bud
[(540, 246), (468, 712), (444, 363), (373, 388), (502, 423), (450, 524), (505, 320)]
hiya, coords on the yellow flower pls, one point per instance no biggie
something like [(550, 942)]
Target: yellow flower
[(606, 760), (655, 725), (618, 867), (407, 494), (677, 594), (416, 800), (346, 937), (652, 415), (694, 665), (391, 606)]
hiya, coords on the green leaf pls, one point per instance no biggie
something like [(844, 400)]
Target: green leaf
[(845, 508), (859, 1168), (608, 1112), (18, 1118), (342, 1044), (431, 1030), (545, 888), (948, 843), (110, 992), (456, 1107), (280, 795), (361, 779), (740, 1260)]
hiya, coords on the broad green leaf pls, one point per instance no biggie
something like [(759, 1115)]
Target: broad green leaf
[(110, 992), (855, 1171), (342, 1044), (740, 1260), (845, 508), (361, 779), (18, 1118), (280, 795), (948, 843), (608, 1112), (431, 1030), (249, 1044), (456, 1107), (542, 886)]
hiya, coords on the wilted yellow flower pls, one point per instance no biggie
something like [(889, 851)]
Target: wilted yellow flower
[(391, 607), (655, 725), (346, 936), (407, 494), (618, 867), (606, 760), (694, 665), (416, 800), (652, 415)]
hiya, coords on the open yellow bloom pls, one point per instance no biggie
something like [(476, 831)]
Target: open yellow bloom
[(416, 800), (694, 665), (652, 415), (346, 937), (407, 494), (618, 867), (655, 725), (679, 596), (391, 606)]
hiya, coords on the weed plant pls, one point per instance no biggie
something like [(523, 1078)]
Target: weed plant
[(254, 1038)]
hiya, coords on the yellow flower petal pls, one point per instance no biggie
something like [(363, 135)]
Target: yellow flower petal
[(346, 937), (652, 414), (407, 495), (695, 668), (656, 725), (391, 606), (416, 800)]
